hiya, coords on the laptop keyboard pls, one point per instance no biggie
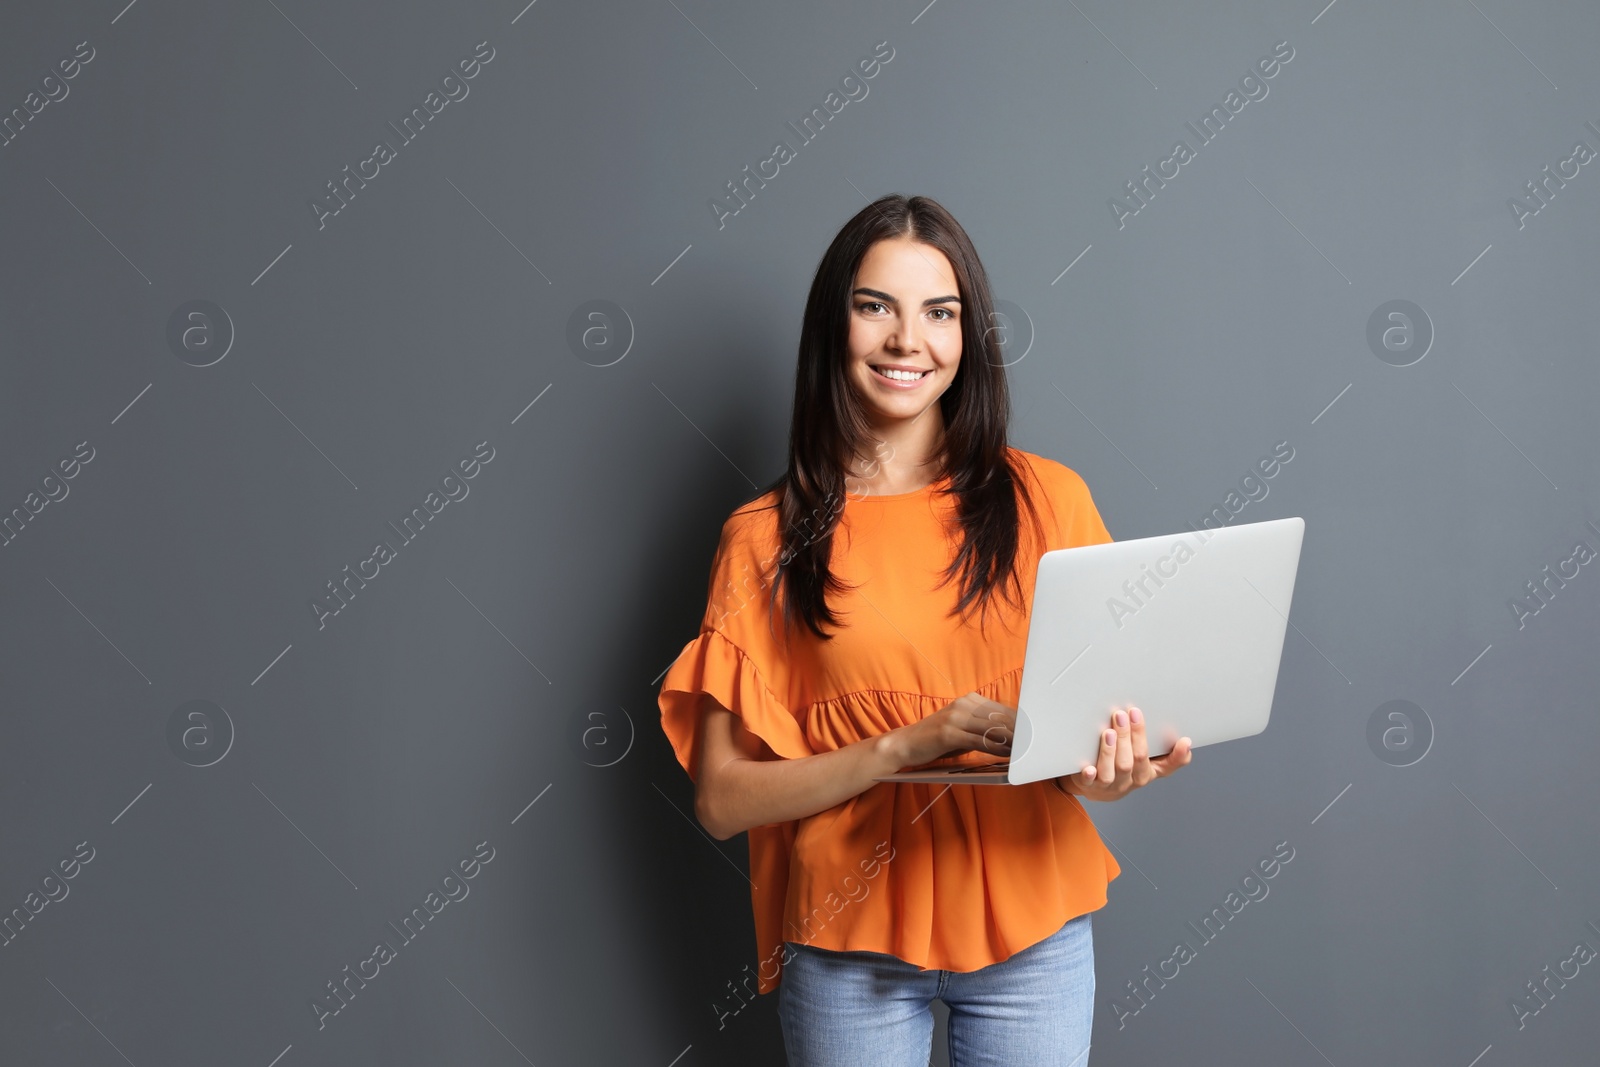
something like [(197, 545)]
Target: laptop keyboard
[(980, 767)]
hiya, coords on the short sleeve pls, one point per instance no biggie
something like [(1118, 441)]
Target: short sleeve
[(1070, 509), (1083, 525), (738, 656)]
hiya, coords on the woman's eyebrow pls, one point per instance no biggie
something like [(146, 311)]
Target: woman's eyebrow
[(887, 299)]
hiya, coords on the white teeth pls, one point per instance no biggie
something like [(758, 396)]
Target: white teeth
[(900, 375)]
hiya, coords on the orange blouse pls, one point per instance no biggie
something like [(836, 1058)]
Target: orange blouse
[(951, 877)]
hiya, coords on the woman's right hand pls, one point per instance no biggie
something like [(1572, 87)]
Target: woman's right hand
[(968, 723)]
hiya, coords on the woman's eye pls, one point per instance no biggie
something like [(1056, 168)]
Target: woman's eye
[(875, 305)]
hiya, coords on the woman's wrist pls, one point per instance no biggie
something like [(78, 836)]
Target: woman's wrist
[(887, 748)]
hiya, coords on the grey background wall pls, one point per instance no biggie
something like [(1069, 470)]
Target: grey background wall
[(215, 796)]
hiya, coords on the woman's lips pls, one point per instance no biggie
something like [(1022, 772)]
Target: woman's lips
[(900, 383)]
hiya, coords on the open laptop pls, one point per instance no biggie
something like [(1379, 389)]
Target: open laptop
[(1187, 627)]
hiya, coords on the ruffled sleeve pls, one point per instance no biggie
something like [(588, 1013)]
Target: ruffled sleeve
[(713, 664), (738, 656), (739, 660)]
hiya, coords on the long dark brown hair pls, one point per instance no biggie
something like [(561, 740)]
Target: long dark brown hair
[(828, 427)]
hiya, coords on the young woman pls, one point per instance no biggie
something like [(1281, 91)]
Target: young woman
[(900, 512)]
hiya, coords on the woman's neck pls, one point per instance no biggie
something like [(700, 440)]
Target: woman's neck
[(905, 456)]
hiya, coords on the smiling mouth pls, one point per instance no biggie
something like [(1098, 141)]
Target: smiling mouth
[(900, 376)]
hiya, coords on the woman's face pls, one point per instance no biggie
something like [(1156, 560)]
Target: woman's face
[(904, 313)]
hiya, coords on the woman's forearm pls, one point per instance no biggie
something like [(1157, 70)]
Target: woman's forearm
[(742, 793)]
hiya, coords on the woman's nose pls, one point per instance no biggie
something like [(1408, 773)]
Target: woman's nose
[(906, 337)]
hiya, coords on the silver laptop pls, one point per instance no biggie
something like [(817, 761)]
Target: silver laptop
[(1188, 628)]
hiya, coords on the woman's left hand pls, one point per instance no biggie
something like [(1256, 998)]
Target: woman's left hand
[(1125, 762)]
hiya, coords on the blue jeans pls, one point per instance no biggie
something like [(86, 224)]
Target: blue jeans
[(870, 1009)]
